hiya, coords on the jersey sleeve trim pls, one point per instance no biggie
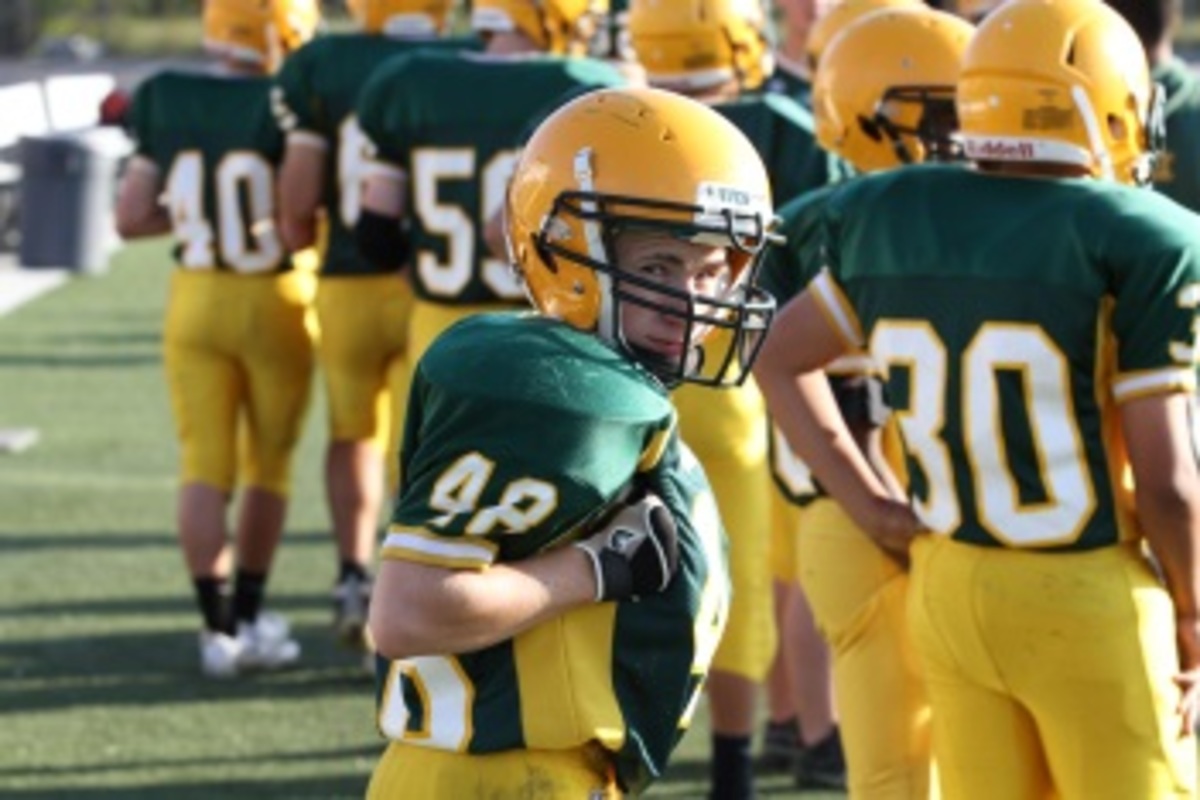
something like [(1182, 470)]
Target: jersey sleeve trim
[(1132, 385), (851, 364), (419, 545), (837, 309), (307, 139), (653, 452)]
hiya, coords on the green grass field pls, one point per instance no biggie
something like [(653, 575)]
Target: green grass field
[(100, 694)]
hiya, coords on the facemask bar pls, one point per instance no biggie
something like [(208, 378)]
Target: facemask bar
[(937, 122), (745, 311)]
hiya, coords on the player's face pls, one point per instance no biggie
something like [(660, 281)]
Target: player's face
[(700, 270), (798, 16)]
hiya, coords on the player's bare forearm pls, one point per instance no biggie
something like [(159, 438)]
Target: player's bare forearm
[(425, 610), (139, 212), (805, 410), (1158, 438), (1170, 517), (301, 187)]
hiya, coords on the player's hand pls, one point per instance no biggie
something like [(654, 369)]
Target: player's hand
[(635, 552), (894, 526), (114, 108), (1187, 632)]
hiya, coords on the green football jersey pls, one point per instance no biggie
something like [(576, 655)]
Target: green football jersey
[(453, 124), (1177, 173), (217, 148), (315, 93), (520, 431), (783, 133), (1012, 316), (785, 271)]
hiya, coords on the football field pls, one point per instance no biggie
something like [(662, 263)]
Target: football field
[(100, 692)]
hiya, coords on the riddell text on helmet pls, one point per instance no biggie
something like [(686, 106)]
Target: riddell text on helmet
[(999, 150)]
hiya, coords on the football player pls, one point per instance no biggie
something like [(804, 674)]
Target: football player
[(717, 51), (445, 129), (883, 98), (636, 218), (1177, 170), (1035, 319), (792, 75), (362, 310), (237, 341), (793, 681)]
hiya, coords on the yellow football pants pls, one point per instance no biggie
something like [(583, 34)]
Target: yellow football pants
[(420, 773), (858, 597), (727, 430), (238, 354), (1049, 674)]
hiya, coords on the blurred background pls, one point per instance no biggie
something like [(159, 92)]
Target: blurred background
[(90, 29)]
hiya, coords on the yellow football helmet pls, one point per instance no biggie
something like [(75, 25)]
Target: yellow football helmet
[(1062, 82), (564, 27), (884, 95), (834, 21), (692, 45), (259, 31), (643, 158), (401, 17)]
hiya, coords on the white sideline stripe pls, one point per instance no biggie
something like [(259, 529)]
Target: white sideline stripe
[(84, 480), (19, 286)]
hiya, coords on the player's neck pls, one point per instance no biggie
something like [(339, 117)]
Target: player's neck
[(1161, 54), (793, 53), (240, 67), (511, 43), (1029, 170)]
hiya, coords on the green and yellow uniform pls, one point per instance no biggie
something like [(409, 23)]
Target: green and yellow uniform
[(857, 593), (520, 431), (727, 429), (237, 343), (363, 312), (1177, 173), (452, 124), (1012, 317)]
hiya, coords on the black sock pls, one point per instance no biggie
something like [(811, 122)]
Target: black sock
[(732, 770), (352, 569), (248, 588), (786, 727), (212, 595)]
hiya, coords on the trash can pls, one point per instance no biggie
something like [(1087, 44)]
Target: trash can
[(67, 192)]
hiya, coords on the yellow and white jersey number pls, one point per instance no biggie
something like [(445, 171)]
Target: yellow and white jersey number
[(1028, 353), (446, 698), (353, 155), (436, 169), (243, 232), (444, 691)]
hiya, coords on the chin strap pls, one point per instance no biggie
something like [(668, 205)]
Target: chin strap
[(593, 237)]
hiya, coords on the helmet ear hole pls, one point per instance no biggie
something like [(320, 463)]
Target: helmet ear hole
[(1117, 128)]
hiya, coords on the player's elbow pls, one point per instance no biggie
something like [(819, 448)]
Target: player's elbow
[(298, 232), (1169, 495), (131, 226), (396, 636)]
